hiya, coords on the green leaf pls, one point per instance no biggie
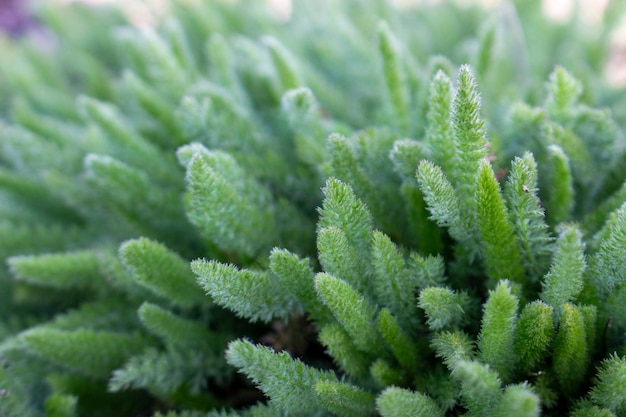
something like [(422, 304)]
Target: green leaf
[(453, 347), (439, 135), (339, 345), (480, 387), (222, 62), (338, 257), (168, 374), (72, 270), (153, 102), (564, 92), (570, 350), (606, 266), (87, 352), (152, 209), (609, 389), (288, 382), (296, 276), (228, 207), (497, 332), (587, 409), (442, 199), (443, 307), (385, 374), (500, 249), (344, 211), (250, 294), (404, 349), (345, 399), (172, 329), (398, 402), (60, 405), (284, 65), (162, 271), (395, 77), (533, 335), (527, 216), (396, 283), (564, 282), (124, 143), (471, 143), (406, 155), (518, 401), (486, 54), (560, 200), (352, 311)]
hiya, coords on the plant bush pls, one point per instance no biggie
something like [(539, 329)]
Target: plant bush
[(326, 208)]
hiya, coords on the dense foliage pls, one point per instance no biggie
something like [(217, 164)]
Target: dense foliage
[(231, 214)]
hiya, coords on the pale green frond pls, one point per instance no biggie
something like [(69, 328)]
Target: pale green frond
[(124, 143), (345, 165), (590, 317), (222, 65), (113, 314), (485, 56)]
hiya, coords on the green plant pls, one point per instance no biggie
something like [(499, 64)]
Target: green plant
[(163, 224)]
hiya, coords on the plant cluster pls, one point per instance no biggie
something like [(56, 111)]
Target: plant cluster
[(231, 215)]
